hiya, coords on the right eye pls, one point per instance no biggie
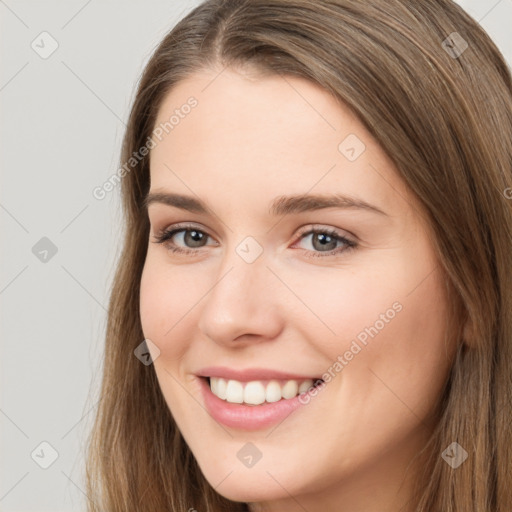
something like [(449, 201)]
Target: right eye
[(191, 237)]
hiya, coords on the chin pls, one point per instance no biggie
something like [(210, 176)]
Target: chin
[(268, 481)]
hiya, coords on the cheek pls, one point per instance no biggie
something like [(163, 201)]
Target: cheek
[(166, 296), (385, 341), (416, 348), (402, 358), (346, 305)]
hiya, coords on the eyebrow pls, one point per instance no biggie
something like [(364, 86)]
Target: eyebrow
[(282, 205)]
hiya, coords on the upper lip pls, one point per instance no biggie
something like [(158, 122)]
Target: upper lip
[(250, 374)]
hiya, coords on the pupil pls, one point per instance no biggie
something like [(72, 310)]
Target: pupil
[(193, 236), (324, 241)]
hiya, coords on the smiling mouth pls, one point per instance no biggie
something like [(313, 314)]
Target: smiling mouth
[(259, 392)]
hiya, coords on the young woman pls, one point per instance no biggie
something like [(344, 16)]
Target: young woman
[(312, 310)]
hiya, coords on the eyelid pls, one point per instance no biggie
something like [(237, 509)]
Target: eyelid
[(342, 233), (183, 225), (301, 231)]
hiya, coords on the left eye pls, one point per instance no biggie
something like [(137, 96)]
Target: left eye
[(324, 242)]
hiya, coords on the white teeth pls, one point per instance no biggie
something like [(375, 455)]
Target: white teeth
[(255, 392), (290, 389), (234, 392), (273, 391), (221, 388), (214, 386), (305, 385)]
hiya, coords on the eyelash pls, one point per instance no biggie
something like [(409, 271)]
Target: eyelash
[(165, 235)]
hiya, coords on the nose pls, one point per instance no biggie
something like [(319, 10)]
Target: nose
[(243, 305)]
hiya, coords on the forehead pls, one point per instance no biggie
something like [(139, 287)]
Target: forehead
[(271, 134)]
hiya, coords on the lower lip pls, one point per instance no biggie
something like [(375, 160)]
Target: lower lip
[(247, 417)]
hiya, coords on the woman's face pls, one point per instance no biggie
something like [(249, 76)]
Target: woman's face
[(306, 259)]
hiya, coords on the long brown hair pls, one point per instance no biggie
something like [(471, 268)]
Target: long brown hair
[(443, 113)]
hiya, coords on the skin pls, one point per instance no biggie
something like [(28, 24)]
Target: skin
[(249, 140)]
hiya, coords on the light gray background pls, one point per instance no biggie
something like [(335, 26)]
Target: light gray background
[(62, 120)]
